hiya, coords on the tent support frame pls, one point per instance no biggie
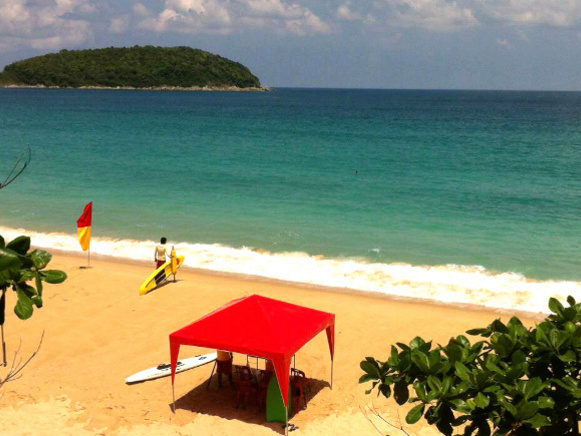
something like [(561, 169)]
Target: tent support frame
[(332, 361), (211, 375)]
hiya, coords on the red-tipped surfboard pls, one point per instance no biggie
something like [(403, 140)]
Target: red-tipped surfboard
[(164, 369)]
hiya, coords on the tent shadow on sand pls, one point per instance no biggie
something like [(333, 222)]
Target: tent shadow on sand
[(221, 402)]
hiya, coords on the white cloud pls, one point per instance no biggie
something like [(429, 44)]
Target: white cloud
[(433, 15), (560, 13), (49, 24), (140, 9), (119, 24), (225, 16), (504, 43), (344, 12)]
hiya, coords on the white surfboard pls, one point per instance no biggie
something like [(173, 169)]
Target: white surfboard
[(164, 369)]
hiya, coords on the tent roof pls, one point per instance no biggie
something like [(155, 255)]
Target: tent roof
[(257, 326)]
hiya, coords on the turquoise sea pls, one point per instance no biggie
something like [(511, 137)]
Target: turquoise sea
[(371, 189)]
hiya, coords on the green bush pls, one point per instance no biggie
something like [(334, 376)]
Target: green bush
[(25, 272), (517, 381)]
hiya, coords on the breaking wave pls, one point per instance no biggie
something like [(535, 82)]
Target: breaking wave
[(465, 284)]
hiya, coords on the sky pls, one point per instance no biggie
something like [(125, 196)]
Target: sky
[(413, 44)]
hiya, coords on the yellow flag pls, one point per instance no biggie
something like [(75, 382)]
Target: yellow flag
[(85, 237)]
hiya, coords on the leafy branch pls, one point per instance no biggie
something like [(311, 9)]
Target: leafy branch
[(516, 381)]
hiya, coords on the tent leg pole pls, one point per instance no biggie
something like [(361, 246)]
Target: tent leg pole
[(286, 421), (211, 375), (173, 397), (332, 360)]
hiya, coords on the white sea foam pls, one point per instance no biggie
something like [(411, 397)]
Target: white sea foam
[(444, 283)]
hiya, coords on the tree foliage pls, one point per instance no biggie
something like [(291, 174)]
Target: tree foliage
[(516, 381), (24, 271), (139, 67)]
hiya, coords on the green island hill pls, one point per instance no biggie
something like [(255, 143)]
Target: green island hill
[(138, 67)]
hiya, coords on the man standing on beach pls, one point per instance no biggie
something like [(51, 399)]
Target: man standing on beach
[(160, 253)]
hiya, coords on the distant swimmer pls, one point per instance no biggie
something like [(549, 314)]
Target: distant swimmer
[(160, 253), (356, 172)]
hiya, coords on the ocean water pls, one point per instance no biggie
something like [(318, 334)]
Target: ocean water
[(458, 196)]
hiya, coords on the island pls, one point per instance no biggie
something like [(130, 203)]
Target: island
[(138, 67)]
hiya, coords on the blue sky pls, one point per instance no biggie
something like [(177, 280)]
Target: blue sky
[(450, 44)]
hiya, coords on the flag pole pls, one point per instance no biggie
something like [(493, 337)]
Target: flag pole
[(89, 257)]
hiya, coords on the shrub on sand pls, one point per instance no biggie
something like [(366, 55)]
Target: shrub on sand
[(516, 381)]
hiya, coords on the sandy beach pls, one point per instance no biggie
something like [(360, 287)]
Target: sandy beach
[(98, 331)]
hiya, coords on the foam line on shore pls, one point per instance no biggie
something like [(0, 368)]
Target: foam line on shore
[(444, 283)]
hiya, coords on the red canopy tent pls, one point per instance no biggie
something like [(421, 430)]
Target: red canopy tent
[(257, 326)]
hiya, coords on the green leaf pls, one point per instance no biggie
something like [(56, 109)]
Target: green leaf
[(435, 384), (23, 308), (401, 392), (478, 332), (421, 360), (518, 358), (53, 276), (460, 406), (404, 347), (40, 258), (416, 342), (462, 371), (9, 259), (415, 414), (434, 359), (21, 244), (420, 389), (571, 300), (3, 244), (526, 409), (498, 326), (38, 281), (481, 400), (508, 406), (538, 421), (569, 356), (365, 378), (546, 402), (555, 305), (370, 368), (394, 358), (28, 290), (385, 390)]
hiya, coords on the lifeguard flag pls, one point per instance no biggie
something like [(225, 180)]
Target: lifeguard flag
[(84, 226)]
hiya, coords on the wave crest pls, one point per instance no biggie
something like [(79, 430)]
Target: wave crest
[(468, 284)]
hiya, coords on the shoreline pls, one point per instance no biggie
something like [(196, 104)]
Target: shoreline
[(316, 287), (153, 88), (459, 285)]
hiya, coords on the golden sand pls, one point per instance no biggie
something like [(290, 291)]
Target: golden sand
[(98, 331)]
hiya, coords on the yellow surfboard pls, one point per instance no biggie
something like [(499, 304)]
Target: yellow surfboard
[(160, 275)]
